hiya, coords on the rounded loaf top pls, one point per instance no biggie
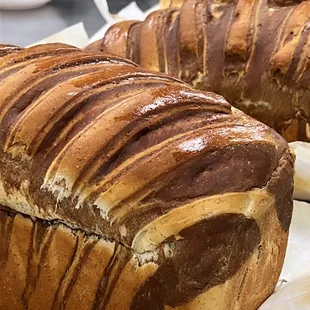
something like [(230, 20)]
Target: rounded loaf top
[(95, 141)]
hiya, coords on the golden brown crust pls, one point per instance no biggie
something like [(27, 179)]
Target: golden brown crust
[(193, 196), (254, 53), (54, 266)]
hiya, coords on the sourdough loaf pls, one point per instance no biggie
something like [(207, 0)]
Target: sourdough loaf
[(255, 53), (125, 189)]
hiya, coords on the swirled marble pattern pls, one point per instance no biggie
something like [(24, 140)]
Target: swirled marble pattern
[(126, 189)]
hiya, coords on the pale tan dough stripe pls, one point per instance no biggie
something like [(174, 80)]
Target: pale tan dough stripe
[(296, 23), (16, 264), (20, 200), (257, 13), (37, 250), (188, 29), (304, 61), (9, 86), (15, 68), (148, 52), (239, 29), (166, 50), (90, 276), (205, 42), (127, 286), (279, 38), (82, 248), (251, 204)]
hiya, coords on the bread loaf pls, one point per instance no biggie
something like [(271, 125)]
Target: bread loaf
[(255, 53), (125, 189)]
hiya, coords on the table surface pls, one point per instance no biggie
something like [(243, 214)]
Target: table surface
[(29, 26)]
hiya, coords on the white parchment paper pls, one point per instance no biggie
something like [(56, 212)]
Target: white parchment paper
[(302, 170), (75, 35)]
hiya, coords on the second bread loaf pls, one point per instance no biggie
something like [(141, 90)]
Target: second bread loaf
[(254, 53)]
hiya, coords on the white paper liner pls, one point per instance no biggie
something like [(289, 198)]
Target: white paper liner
[(293, 290), (295, 295), (302, 170), (75, 35)]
